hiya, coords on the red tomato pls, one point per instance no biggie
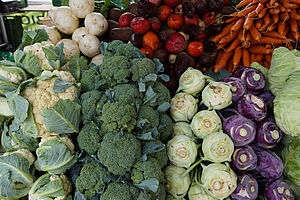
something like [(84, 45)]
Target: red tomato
[(195, 48), (209, 17), (163, 12), (201, 37), (148, 51), (175, 21)]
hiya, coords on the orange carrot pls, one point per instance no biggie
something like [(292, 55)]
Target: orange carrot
[(246, 44), (284, 16), (294, 29), (272, 27), (223, 60), (286, 31), (281, 28), (281, 8), (295, 1), (230, 65), (270, 40), (246, 11), (254, 33), (241, 35), (276, 18), (294, 15), (246, 58), (243, 3), (237, 56), (272, 2), (267, 19), (248, 23), (238, 25), (252, 58), (259, 23), (220, 54), (260, 50), (274, 34), (224, 32), (274, 11), (262, 13), (229, 37), (234, 45), (221, 46), (263, 1), (259, 8), (294, 6), (232, 19), (248, 37), (268, 58), (266, 64)]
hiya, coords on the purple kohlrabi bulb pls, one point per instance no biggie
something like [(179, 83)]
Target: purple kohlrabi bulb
[(268, 134), (244, 158), (278, 189), (238, 88), (247, 188)]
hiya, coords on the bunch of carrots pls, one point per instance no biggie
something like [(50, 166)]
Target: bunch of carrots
[(253, 32)]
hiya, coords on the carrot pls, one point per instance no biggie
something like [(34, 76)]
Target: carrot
[(248, 37), (221, 46), (259, 23), (252, 58), (274, 34), (243, 3), (246, 58), (294, 28), (281, 28), (272, 27), (294, 6), (259, 8), (248, 23), (241, 35), (274, 11), (224, 32), (237, 56), (223, 60), (246, 44), (284, 16), (220, 54), (286, 31), (295, 1), (254, 33), (229, 37), (263, 1), (234, 45), (262, 13), (294, 15), (238, 25), (273, 1), (281, 8), (267, 19), (270, 40), (266, 64), (260, 50), (246, 11), (232, 19), (230, 65), (256, 57), (268, 58), (276, 18), (290, 46)]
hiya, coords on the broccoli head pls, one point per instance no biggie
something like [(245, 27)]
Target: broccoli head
[(127, 93), (119, 152), (129, 51), (165, 128), (90, 79), (115, 70), (91, 180), (118, 117), (143, 170), (120, 191), (89, 138), (141, 67), (89, 102), (163, 92), (150, 116), (113, 45)]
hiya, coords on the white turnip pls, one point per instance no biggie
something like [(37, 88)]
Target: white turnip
[(70, 48), (81, 8), (89, 45), (96, 24)]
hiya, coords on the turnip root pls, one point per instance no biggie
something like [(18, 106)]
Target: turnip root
[(79, 33), (81, 8), (96, 24), (70, 48), (98, 59), (64, 20), (89, 45), (54, 35)]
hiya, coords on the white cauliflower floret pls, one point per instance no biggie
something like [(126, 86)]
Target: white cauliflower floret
[(10, 76), (37, 50), (66, 183), (42, 96), (67, 141), (23, 153)]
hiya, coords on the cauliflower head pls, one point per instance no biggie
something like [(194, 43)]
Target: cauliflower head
[(42, 96)]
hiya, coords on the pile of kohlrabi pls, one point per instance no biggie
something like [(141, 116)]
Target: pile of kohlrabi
[(224, 138)]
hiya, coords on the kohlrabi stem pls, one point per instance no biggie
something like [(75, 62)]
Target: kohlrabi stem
[(208, 78), (191, 167)]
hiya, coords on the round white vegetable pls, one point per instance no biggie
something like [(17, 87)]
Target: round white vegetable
[(98, 59), (64, 20), (89, 45), (81, 8), (79, 33), (96, 24), (70, 48), (54, 35)]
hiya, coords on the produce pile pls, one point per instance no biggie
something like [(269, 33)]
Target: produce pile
[(225, 146), (255, 31)]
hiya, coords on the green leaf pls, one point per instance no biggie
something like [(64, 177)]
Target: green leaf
[(61, 85), (6, 86), (158, 65), (19, 106), (164, 77), (6, 140), (31, 37), (149, 148), (77, 65), (150, 184), (55, 55), (150, 96), (79, 196), (163, 107), (18, 56), (31, 64), (103, 48), (219, 75), (149, 135), (64, 117)]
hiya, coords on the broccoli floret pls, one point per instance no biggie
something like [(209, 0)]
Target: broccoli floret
[(120, 191), (143, 170), (115, 70), (141, 67), (90, 79), (165, 128), (88, 101), (161, 156), (150, 116), (163, 92), (89, 138), (113, 45), (91, 180), (129, 51), (119, 152), (118, 117), (160, 194), (127, 93)]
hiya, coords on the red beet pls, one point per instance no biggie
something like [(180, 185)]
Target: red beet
[(175, 44), (125, 19), (140, 25), (172, 3), (155, 24), (155, 2), (194, 20)]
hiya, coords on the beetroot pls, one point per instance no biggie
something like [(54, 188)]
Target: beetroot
[(175, 44), (155, 2), (125, 19), (155, 24), (172, 3), (140, 25)]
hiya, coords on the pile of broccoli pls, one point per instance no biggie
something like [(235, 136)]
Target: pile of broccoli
[(125, 126)]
